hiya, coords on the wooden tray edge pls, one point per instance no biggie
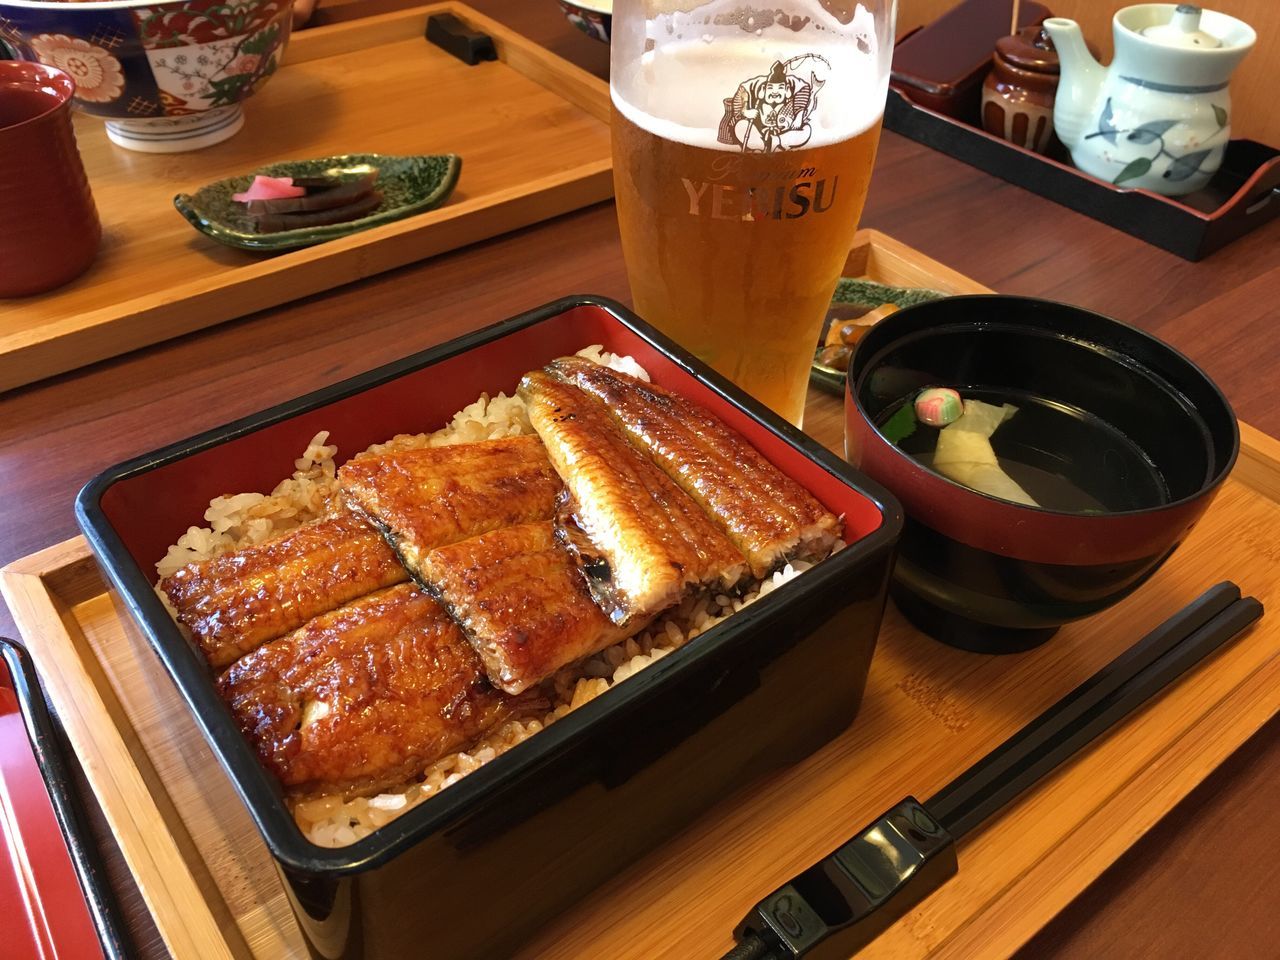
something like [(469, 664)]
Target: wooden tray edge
[(34, 355), (901, 265), (185, 914), (185, 309), (1259, 462), (1006, 921)]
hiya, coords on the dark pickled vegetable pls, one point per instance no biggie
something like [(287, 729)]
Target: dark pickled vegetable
[(835, 356)]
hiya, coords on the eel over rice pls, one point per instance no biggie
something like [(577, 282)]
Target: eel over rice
[(767, 515), (365, 696), (639, 539), (426, 498), (521, 602), (237, 601)]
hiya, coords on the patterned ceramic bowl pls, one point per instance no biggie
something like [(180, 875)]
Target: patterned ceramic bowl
[(592, 17), (167, 75)]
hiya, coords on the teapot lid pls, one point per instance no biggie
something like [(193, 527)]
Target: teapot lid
[(1183, 30)]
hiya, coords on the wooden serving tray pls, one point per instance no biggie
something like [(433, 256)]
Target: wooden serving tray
[(929, 712), (532, 130)]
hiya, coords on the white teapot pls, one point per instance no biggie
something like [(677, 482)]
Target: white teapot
[(1159, 117)]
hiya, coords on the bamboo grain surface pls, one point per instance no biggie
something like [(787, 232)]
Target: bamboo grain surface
[(929, 712), (531, 128)]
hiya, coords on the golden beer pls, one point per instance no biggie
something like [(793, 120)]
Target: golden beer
[(740, 170), (735, 256)]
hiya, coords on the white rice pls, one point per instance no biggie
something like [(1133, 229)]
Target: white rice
[(311, 492), (240, 519)]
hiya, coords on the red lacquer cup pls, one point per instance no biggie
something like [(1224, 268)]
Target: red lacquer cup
[(49, 230)]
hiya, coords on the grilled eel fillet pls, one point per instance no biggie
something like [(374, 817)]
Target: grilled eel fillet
[(423, 499), (767, 515), (235, 602), (365, 696), (521, 601), (640, 541)]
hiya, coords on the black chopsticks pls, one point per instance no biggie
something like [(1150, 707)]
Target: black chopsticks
[(1128, 681), (844, 901)]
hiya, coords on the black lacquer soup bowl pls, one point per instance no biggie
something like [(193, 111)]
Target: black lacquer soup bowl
[(995, 576)]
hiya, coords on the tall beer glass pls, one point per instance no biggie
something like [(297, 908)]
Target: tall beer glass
[(743, 140)]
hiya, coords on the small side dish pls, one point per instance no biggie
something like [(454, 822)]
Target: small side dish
[(847, 327), (304, 202), (555, 542), (856, 306)]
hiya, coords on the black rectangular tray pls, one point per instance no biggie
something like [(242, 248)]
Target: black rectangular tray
[(1243, 194), (473, 869)]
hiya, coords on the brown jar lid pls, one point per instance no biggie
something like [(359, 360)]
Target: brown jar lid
[(1029, 49)]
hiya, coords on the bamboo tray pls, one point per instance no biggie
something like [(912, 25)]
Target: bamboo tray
[(532, 130), (929, 712)]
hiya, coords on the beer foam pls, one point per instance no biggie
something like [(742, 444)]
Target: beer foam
[(677, 87), (673, 16)]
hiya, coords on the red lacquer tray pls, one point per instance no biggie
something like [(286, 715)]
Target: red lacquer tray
[(42, 903)]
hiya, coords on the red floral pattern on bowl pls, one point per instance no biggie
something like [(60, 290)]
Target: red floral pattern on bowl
[(204, 21), (166, 75)]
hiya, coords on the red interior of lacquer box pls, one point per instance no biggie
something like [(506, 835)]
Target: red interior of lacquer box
[(150, 511), (42, 909)]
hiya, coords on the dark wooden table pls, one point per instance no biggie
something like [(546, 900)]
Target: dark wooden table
[(1204, 883)]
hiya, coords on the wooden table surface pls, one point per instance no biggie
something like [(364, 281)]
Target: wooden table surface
[(1205, 883)]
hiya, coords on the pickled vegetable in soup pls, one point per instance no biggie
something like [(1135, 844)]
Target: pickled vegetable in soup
[(1031, 451)]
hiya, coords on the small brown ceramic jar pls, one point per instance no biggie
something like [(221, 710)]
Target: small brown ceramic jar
[(1017, 96)]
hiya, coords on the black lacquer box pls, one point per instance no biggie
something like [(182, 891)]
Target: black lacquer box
[(472, 870)]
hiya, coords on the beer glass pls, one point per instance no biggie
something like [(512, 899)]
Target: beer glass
[(743, 141)]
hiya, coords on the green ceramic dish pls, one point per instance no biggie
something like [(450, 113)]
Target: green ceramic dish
[(409, 185), (864, 293)]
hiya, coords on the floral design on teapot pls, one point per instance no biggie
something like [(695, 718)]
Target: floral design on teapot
[(1181, 166)]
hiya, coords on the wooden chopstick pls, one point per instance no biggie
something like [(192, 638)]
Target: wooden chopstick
[(1128, 681)]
